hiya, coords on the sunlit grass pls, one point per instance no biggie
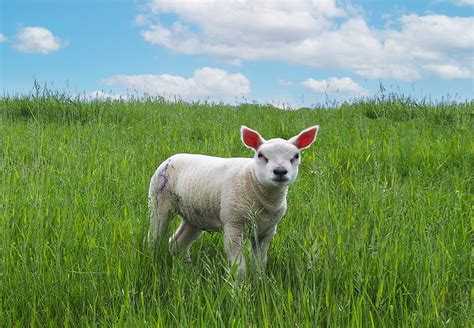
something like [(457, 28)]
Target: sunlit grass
[(378, 230)]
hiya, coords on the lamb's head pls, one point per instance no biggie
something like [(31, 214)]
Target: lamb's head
[(276, 161)]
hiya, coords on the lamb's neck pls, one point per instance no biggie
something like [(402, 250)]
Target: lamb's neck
[(271, 197)]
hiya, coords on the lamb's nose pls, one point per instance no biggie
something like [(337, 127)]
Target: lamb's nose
[(280, 172)]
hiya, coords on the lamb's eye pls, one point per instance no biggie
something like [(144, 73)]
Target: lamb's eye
[(260, 155), (295, 157)]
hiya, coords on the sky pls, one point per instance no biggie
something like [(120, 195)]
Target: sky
[(287, 53)]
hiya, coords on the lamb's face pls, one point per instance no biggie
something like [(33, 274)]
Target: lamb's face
[(277, 160), (276, 163)]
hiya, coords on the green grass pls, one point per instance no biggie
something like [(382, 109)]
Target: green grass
[(378, 230)]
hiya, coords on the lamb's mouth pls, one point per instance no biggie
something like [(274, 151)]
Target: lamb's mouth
[(280, 179)]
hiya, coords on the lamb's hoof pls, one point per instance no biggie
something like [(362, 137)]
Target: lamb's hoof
[(187, 256)]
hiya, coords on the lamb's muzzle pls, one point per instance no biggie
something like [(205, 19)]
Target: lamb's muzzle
[(227, 194)]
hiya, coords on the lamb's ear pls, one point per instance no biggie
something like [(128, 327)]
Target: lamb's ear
[(251, 138), (305, 138)]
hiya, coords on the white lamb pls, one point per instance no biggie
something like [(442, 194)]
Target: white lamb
[(227, 194)]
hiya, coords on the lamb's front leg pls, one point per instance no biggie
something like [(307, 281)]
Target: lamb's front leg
[(233, 241), (260, 247)]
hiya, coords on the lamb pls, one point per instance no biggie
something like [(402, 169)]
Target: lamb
[(230, 195)]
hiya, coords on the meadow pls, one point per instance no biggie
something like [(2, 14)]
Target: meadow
[(378, 231)]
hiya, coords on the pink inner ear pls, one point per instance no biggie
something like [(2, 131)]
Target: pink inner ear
[(306, 138), (251, 139)]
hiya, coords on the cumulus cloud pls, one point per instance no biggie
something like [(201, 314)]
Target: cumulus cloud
[(3, 38), (206, 83), (336, 86), (36, 39), (141, 20), (319, 34), (464, 2), (449, 71), (284, 82)]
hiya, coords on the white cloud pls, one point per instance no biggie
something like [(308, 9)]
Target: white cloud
[(450, 71), (233, 62), (336, 86), (36, 39), (3, 38), (247, 27), (426, 42), (141, 20), (319, 34), (284, 82), (207, 83), (464, 2)]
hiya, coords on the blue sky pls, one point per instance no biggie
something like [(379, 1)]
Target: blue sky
[(290, 53)]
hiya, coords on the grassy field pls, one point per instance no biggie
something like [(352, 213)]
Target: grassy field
[(378, 230)]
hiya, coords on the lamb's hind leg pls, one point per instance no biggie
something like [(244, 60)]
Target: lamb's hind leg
[(160, 216), (182, 239), (161, 208)]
